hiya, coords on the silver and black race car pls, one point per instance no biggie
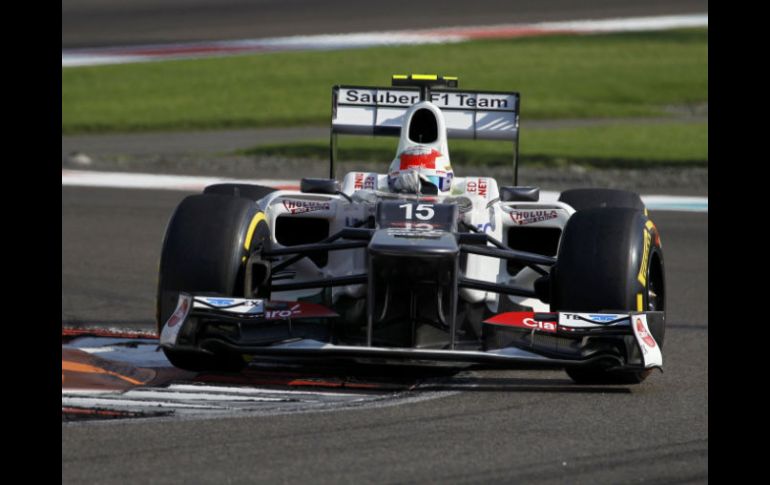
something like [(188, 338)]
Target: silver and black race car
[(415, 265)]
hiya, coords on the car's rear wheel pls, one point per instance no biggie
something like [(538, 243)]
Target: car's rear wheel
[(581, 199), (247, 191), (609, 259), (207, 242)]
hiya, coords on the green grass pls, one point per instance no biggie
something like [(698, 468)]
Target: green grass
[(614, 75), (618, 146)]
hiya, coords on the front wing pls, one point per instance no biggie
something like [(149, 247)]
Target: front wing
[(264, 328)]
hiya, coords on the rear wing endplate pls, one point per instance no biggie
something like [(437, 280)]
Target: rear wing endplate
[(379, 111)]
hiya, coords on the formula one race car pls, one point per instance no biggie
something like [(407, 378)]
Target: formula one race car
[(415, 265)]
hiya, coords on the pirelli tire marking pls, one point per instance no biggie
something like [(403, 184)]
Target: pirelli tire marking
[(642, 276)]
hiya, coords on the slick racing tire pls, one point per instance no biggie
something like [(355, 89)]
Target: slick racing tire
[(609, 259), (247, 191), (207, 242), (581, 199)]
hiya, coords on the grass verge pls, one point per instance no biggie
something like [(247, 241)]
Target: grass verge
[(611, 75)]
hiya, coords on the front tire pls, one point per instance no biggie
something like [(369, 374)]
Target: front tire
[(206, 245), (609, 259)]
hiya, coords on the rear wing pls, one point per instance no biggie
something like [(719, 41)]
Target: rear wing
[(379, 111)]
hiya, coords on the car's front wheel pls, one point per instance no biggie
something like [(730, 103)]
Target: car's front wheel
[(609, 259), (207, 243)]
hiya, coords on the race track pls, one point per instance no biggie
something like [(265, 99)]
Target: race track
[(501, 426), (491, 426)]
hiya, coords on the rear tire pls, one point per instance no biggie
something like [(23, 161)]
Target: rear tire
[(581, 199), (602, 255), (204, 252), (247, 191)]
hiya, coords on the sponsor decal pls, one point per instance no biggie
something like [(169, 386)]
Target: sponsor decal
[(285, 313), (483, 188), (171, 330), (522, 218), (468, 100), (302, 206), (180, 313), (284, 310), (473, 100), (416, 226), (446, 182), (651, 354), (419, 157), (219, 301), (380, 97), (588, 320), (641, 330), (486, 227), (362, 181), (477, 187), (418, 231), (234, 305), (603, 318), (523, 320)]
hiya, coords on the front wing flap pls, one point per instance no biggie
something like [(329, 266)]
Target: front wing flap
[(572, 325)]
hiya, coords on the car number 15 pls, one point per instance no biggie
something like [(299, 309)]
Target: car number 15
[(424, 212)]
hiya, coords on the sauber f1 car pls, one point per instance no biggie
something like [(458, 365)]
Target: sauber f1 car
[(415, 265)]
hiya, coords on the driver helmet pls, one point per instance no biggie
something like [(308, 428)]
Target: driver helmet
[(421, 169)]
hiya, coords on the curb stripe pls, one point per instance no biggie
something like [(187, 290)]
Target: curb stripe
[(127, 180), (90, 369)]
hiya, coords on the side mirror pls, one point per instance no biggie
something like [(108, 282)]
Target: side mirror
[(319, 186), (519, 194)]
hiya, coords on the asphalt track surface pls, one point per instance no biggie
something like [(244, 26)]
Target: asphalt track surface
[(97, 23), (509, 426)]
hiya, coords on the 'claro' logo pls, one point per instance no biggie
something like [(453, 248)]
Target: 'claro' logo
[(544, 326), (523, 320)]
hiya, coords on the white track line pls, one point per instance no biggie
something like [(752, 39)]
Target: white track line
[(126, 180), (194, 183), (145, 53)]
